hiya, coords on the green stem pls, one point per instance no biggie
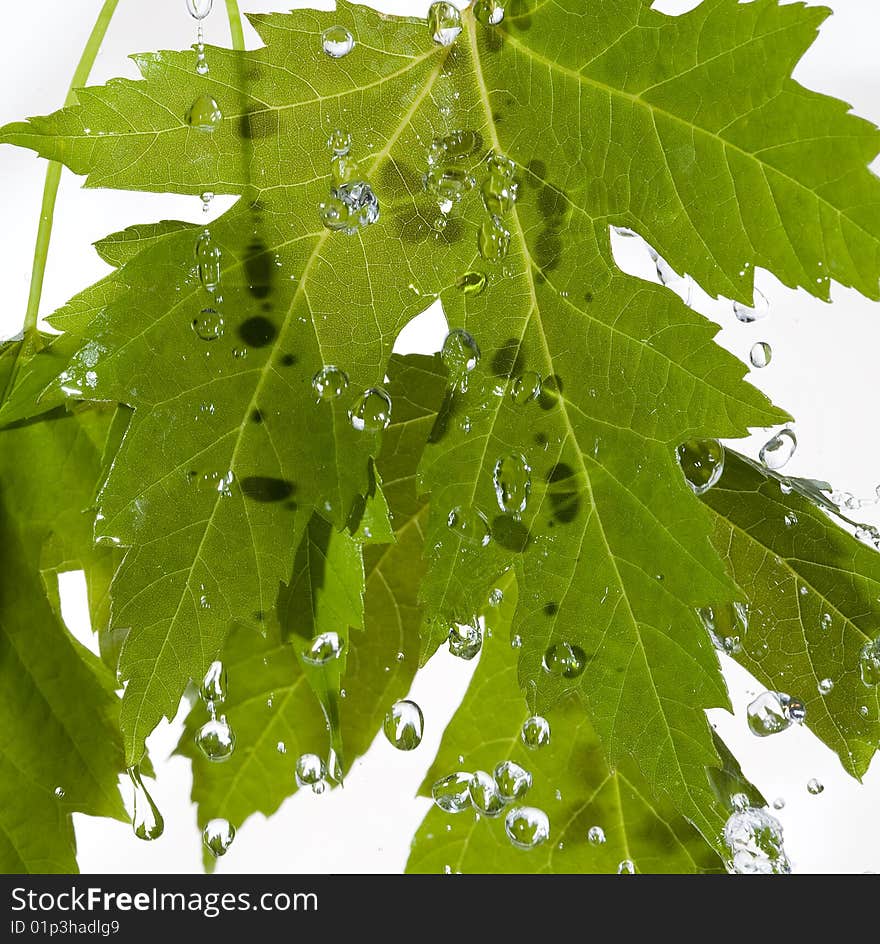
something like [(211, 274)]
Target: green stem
[(235, 27), (53, 173)]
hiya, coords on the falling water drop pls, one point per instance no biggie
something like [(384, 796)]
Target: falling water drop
[(527, 827), (777, 451), (869, 662), (535, 732), (512, 479), (465, 640), (815, 787), (209, 324), (310, 772), (216, 739), (199, 9), (470, 525), (564, 659), (761, 354), (329, 383), (702, 462), (146, 820), (513, 781), (217, 836), (403, 725), (213, 687), (452, 793), (444, 23), (493, 239), (323, 649), (484, 793), (204, 114), (759, 310), (371, 412), (337, 42)]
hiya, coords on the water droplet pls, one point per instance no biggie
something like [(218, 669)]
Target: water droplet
[(512, 478), (337, 42), (754, 839), (484, 794), (213, 687), (794, 708), (465, 640), (199, 9), (535, 732), (761, 354), (470, 525), (404, 724), (371, 412), (444, 23), (146, 820), (513, 781), (329, 383), (869, 662), (310, 772), (460, 354), (208, 258), (790, 519), (525, 388), (339, 142), (204, 114), (281, 747), (496, 596), (448, 185), (702, 461), (218, 835), (473, 283), (825, 686), (499, 193), (209, 324), (776, 452), (564, 659), (726, 625), (815, 787), (500, 164), (323, 649), (596, 836), (455, 146), (216, 739), (452, 793), (626, 867), (350, 208), (748, 315), (516, 641), (493, 240), (59, 792), (489, 12), (767, 715), (527, 827)]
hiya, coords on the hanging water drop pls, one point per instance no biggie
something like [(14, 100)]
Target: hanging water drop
[(444, 23), (702, 462), (527, 827), (339, 142), (310, 772), (513, 781), (766, 715), (217, 836), (626, 867), (209, 324), (371, 412), (525, 388), (754, 839), (465, 640), (452, 793), (323, 649), (776, 452), (350, 208), (403, 725), (512, 479), (489, 12), (204, 114), (216, 739), (759, 310), (596, 836), (208, 258), (337, 42), (869, 662), (472, 283), (213, 687), (460, 354), (815, 787), (493, 240), (146, 820), (794, 708), (564, 659), (199, 9), (761, 354), (470, 525), (535, 732), (329, 383), (484, 794)]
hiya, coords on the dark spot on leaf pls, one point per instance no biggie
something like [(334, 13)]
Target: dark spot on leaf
[(264, 488), (494, 39), (510, 533), (541, 439), (548, 249), (448, 411), (397, 179), (259, 269), (517, 15), (588, 297), (553, 205), (258, 123), (551, 609), (537, 171), (290, 506), (563, 492), (256, 416), (257, 331), (497, 117), (260, 616), (508, 359), (288, 360)]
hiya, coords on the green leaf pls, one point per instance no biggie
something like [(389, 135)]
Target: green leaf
[(571, 782), (270, 702), (57, 708), (688, 129), (813, 593)]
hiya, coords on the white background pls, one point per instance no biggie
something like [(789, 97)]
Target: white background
[(823, 371)]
